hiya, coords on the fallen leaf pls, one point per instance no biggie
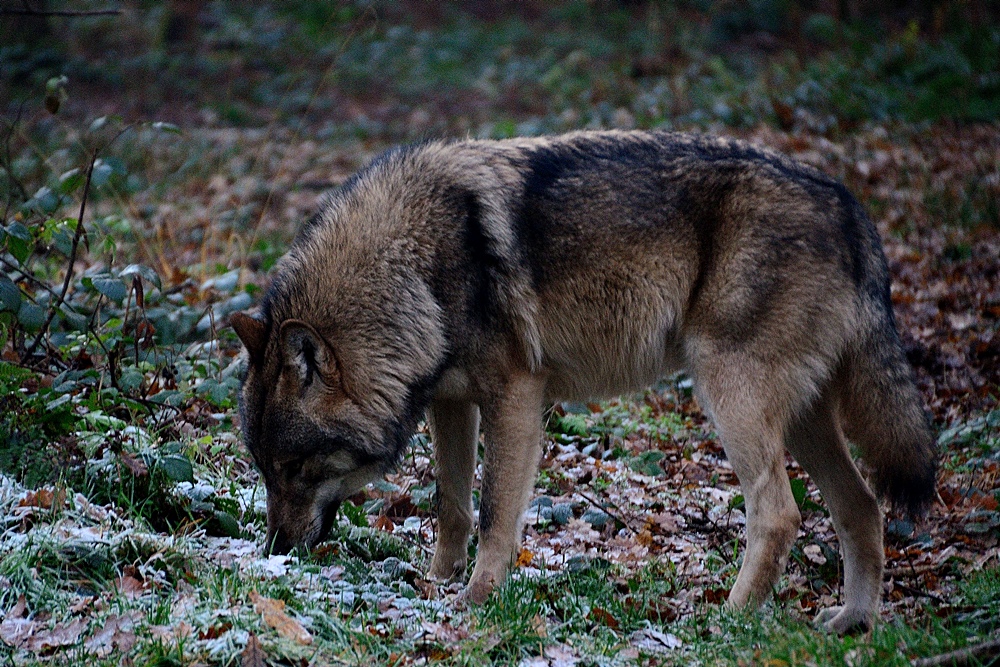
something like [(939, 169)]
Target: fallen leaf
[(129, 587), (215, 631), (135, 464), (63, 634), (560, 656), (443, 633), (171, 633), (253, 654), (603, 617), (384, 523), (115, 633), (273, 612), (539, 626), (16, 628), (524, 558), (654, 641), (814, 553), (428, 591), (82, 604), (44, 498), (716, 595)]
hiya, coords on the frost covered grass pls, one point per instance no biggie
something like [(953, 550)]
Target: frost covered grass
[(632, 573)]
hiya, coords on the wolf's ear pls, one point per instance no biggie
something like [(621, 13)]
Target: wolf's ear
[(252, 333), (306, 351)]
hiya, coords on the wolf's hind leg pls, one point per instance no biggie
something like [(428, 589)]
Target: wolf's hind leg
[(454, 429), (817, 443), (749, 416), (512, 429)]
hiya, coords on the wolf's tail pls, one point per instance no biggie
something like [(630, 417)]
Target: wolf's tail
[(881, 412)]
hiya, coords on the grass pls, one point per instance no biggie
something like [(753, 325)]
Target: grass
[(363, 601), (583, 610)]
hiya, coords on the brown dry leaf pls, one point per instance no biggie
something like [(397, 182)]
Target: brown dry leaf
[(129, 587), (82, 605), (524, 558), (539, 626), (384, 523), (428, 590), (115, 633), (63, 634), (716, 595), (560, 656), (603, 617), (444, 633), (273, 612), (16, 629), (253, 655), (171, 633), (135, 464), (215, 631), (44, 498)]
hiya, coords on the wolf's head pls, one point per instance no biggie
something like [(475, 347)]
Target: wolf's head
[(341, 362)]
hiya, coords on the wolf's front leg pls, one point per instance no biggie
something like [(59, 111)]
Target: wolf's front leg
[(512, 427), (455, 432)]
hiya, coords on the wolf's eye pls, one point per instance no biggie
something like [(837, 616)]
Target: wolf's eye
[(293, 467)]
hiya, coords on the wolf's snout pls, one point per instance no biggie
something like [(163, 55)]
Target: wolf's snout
[(277, 542)]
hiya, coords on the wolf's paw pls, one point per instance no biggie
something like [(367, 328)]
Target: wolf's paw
[(446, 569), (477, 592), (845, 620)]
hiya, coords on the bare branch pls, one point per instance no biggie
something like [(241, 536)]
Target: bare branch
[(982, 653), (72, 258), (62, 13)]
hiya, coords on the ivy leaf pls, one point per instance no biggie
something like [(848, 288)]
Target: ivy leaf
[(71, 181), (648, 463), (148, 274), (44, 201), (166, 127), (177, 468), (31, 316), (76, 321), (101, 174), (19, 242), (229, 525), (10, 294), (108, 285)]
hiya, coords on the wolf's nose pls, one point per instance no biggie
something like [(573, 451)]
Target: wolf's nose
[(277, 542)]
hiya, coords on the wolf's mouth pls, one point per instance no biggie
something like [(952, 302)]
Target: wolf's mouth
[(329, 517)]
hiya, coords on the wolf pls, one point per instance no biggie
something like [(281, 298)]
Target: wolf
[(479, 281)]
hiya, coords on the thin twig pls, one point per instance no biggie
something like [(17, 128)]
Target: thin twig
[(282, 166), (27, 276), (60, 13), (982, 653), (72, 258), (916, 592), (618, 514), (8, 161)]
